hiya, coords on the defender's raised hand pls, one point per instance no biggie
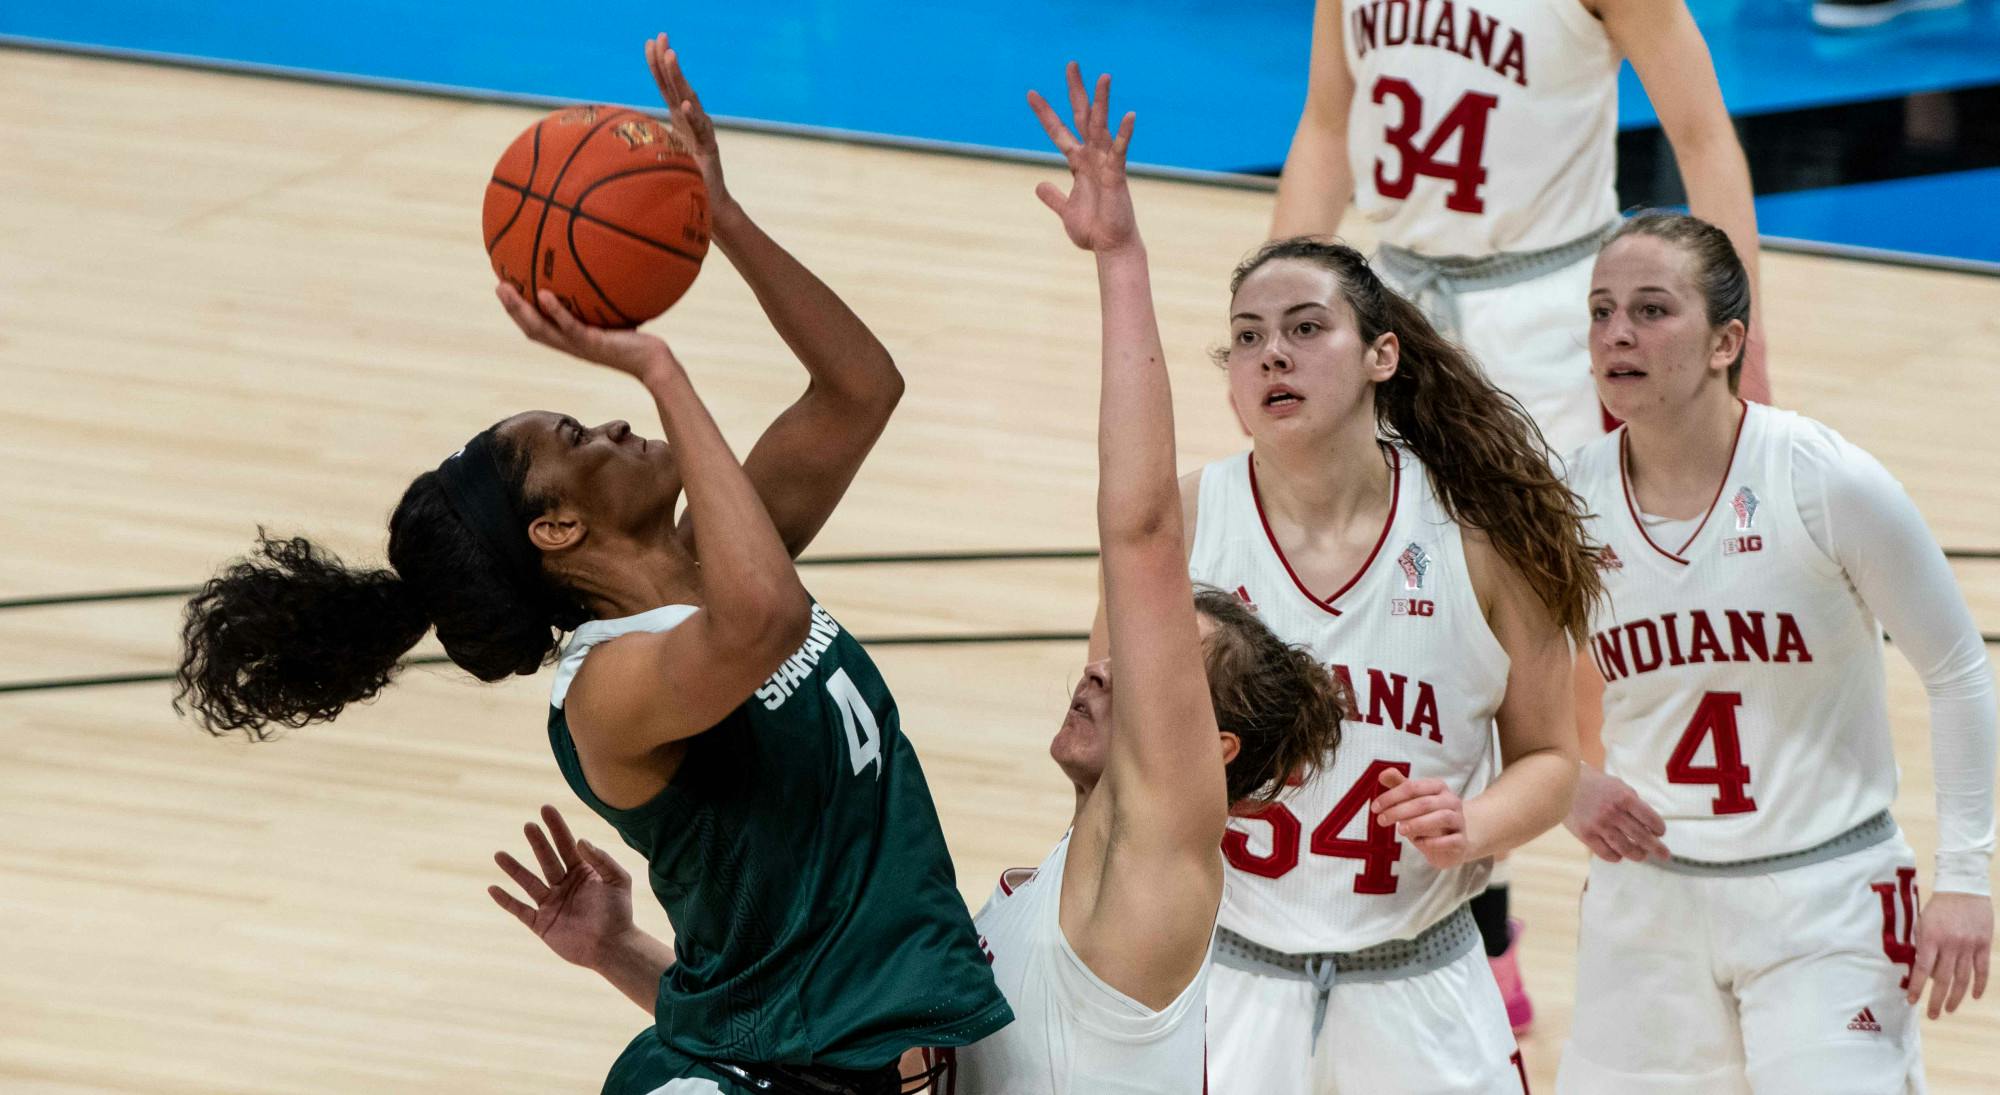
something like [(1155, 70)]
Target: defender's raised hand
[(582, 900), (1097, 211)]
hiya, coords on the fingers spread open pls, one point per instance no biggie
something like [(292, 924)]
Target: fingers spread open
[(559, 833), (552, 864), (600, 861), (524, 913), (1079, 100), (522, 876), (1059, 133)]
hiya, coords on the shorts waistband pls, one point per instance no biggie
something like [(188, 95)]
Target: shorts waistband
[(1434, 948), (1873, 831), (1434, 282)]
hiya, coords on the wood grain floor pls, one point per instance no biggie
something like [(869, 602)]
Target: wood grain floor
[(227, 302)]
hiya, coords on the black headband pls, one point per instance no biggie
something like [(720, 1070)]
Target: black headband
[(477, 492)]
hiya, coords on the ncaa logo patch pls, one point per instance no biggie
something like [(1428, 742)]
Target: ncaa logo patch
[(1745, 504), (1416, 563)]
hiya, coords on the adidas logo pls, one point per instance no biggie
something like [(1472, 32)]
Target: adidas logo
[(1865, 1020)]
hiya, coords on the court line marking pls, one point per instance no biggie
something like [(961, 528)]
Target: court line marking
[(1025, 555), (51, 684)]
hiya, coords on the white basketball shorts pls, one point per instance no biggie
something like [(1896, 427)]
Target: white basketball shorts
[(1788, 983), (1439, 1033)]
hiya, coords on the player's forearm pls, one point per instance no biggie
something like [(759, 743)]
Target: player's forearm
[(1137, 493), (1530, 797), (1316, 185), (634, 964), (1717, 178), (750, 579), (842, 355)]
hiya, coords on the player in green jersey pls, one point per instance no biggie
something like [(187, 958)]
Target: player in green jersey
[(723, 723), (1104, 949)]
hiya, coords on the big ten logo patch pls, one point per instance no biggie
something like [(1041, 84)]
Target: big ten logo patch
[(1742, 545), (1412, 606)]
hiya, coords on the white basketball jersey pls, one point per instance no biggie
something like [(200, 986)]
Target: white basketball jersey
[(1744, 694), (1073, 1034), (1314, 873), (1481, 127)]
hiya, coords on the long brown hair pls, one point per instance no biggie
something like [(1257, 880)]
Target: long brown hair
[(1489, 461)]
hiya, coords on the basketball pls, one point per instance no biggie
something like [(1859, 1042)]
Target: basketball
[(604, 207)]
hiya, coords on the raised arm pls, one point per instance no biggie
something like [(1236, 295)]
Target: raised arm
[(1317, 184), (1668, 53), (1158, 811), (641, 691), (804, 462)]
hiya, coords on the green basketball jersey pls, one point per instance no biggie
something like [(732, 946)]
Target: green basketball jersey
[(796, 850)]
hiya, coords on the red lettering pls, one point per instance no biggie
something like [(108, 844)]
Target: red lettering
[(1898, 933), (1673, 639), (1790, 640), (1284, 853), (1396, 29), (1479, 31), (1367, 22), (1747, 634), (1610, 652), (1379, 848), (1417, 25), (1515, 59), (1716, 718), (1705, 639), (1381, 694), (1650, 660), (1426, 713), (1445, 34), (1466, 120)]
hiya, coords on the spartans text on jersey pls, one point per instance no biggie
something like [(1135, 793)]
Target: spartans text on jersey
[(1436, 23), (1626, 650), (799, 666)]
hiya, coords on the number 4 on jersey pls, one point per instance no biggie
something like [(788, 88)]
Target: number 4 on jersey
[(1378, 848), (1716, 718), (1466, 119), (864, 735)]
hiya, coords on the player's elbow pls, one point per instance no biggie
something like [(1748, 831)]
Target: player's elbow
[(764, 622)]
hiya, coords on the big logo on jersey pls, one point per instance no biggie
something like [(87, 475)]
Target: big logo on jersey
[(1745, 504)]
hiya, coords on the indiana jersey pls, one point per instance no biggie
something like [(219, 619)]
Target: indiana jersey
[(816, 920), (1073, 1034), (1481, 127), (1744, 695), (1314, 873)]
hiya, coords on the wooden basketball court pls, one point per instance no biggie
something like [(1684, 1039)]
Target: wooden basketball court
[(227, 301)]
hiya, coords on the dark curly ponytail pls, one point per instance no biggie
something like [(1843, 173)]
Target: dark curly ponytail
[(291, 635)]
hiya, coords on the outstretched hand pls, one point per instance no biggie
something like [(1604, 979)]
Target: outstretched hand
[(582, 898), (1097, 211), (685, 115)]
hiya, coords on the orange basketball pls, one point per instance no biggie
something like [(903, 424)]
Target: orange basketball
[(603, 206)]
